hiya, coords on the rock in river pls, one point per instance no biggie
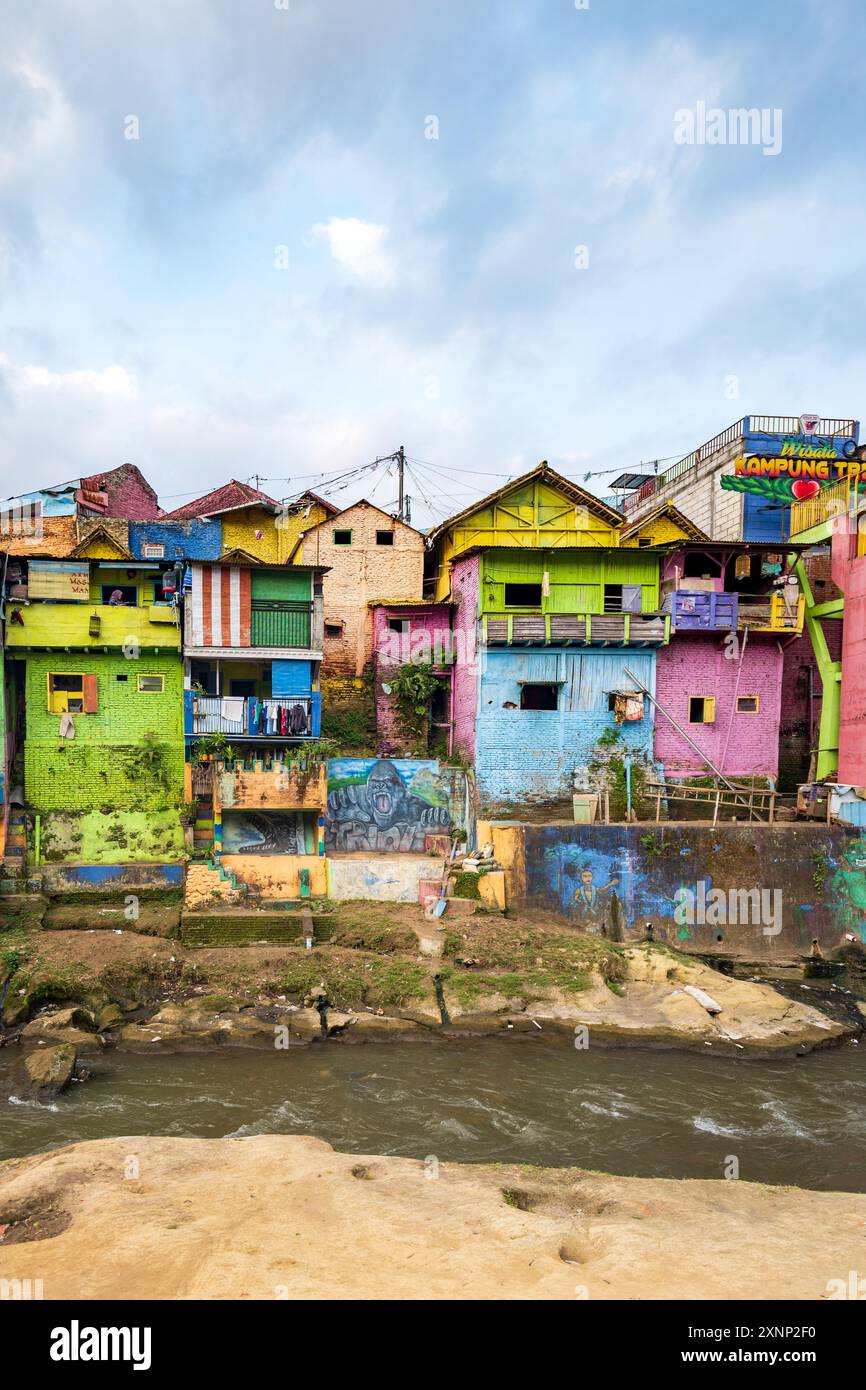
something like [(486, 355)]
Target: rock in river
[(50, 1070)]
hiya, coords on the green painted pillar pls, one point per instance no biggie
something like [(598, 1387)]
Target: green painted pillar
[(831, 677)]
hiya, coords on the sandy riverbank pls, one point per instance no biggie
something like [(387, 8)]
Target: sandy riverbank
[(287, 1217)]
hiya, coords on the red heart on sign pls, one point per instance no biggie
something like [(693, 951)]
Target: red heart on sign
[(805, 487)]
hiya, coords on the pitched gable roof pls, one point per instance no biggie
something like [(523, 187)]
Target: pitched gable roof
[(543, 473), (673, 514), (232, 496), (100, 536)]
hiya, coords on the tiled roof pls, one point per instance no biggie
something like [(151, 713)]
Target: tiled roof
[(222, 499)]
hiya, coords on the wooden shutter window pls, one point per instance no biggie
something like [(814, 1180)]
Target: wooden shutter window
[(91, 698)]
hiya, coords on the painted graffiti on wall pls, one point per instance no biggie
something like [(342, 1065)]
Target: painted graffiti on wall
[(387, 804), (697, 887), (266, 832)]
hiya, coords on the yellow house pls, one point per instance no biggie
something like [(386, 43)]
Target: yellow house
[(255, 524), (540, 510)]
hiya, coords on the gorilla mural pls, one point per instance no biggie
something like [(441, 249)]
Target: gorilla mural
[(382, 813)]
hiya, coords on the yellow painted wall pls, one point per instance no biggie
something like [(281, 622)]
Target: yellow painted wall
[(278, 875), (280, 534), (57, 625), (509, 850), (534, 515), (239, 533), (661, 531)]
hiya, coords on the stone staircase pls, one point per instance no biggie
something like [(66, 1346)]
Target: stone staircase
[(16, 838)]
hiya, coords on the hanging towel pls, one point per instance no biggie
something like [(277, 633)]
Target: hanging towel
[(232, 709), (67, 727)]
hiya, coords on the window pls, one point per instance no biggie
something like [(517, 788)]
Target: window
[(333, 629), (152, 550), (748, 704), (151, 683), (539, 697), (384, 537), (644, 542), (342, 538), (401, 625), (121, 678), (522, 595), (702, 709), (622, 598), (71, 693), (128, 595)]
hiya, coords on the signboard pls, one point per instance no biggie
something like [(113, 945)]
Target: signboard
[(793, 468), (59, 579)]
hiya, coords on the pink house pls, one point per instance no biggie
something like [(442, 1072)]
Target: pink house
[(735, 612), (729, 707), (419, 632)]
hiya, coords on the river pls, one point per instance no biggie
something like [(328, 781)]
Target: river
[(799, 1121)]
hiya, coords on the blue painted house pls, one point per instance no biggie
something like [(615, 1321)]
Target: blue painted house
[(556, 622)]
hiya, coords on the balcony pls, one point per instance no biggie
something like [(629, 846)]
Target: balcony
[(701, 611), (92, 627), (771, 613), (834, 500), (575, 629), (278, 718)]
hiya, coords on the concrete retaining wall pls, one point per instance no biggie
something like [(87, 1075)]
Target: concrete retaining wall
[(99, 879), (392, 878), (813, 882)]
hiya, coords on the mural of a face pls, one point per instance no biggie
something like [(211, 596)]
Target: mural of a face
[(386, 794)]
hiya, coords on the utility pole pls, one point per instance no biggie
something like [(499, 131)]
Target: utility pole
[(401, 465)]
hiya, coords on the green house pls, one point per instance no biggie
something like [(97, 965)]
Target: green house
[(95, 681)]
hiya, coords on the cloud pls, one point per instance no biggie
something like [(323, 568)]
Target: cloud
[(101, 381), (360, 248)]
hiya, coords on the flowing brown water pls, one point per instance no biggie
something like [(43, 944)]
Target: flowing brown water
[(654, 1114)]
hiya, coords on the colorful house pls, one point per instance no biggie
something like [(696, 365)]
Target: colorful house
[(413, 632), (733, 609), (369, 556), (832, 523), (252, 649), (253, 523), (94, 680), (555, 630)]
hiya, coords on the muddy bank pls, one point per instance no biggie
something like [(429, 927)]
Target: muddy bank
[(385, 974), (276, 1217)]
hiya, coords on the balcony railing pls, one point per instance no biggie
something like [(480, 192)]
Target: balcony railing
[(92, 626), (576, 629), (277, 717), (701, 611), (832, 501), (749, 424), (280, 623), (771, 612)]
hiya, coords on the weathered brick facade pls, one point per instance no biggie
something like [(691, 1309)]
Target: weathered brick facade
[(359, 572)]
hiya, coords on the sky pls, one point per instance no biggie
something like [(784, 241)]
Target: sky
[(279, 238)]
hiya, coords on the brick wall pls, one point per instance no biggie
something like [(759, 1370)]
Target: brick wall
[(276, 787), (697, 665), (700, 497), (129, 494), (98, 767), (428, 640), (360, 572), (195, 539), (464, 591), (532, 756)]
